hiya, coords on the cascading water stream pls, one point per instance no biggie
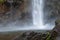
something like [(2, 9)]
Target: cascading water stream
[(38, 16), (38, 12)]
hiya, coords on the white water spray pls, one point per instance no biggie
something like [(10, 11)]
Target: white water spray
[(38, 12)]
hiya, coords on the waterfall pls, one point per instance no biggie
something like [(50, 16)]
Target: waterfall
[(38, 12), (38, 20), (38, 16)]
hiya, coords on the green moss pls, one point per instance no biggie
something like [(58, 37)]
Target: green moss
[(58, 20), (2, 1)]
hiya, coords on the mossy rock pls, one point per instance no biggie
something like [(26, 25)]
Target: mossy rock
[(57, 21), (2, 1)]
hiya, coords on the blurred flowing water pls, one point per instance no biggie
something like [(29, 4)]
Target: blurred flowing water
[(38, 12), (40, 19)]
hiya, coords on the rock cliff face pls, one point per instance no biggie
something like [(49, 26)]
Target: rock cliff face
[(51, 9), (13, 10)]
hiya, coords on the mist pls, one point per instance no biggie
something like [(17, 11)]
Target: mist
[(37, 19)]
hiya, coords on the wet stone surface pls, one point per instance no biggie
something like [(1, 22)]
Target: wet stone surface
[(15, 10)]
